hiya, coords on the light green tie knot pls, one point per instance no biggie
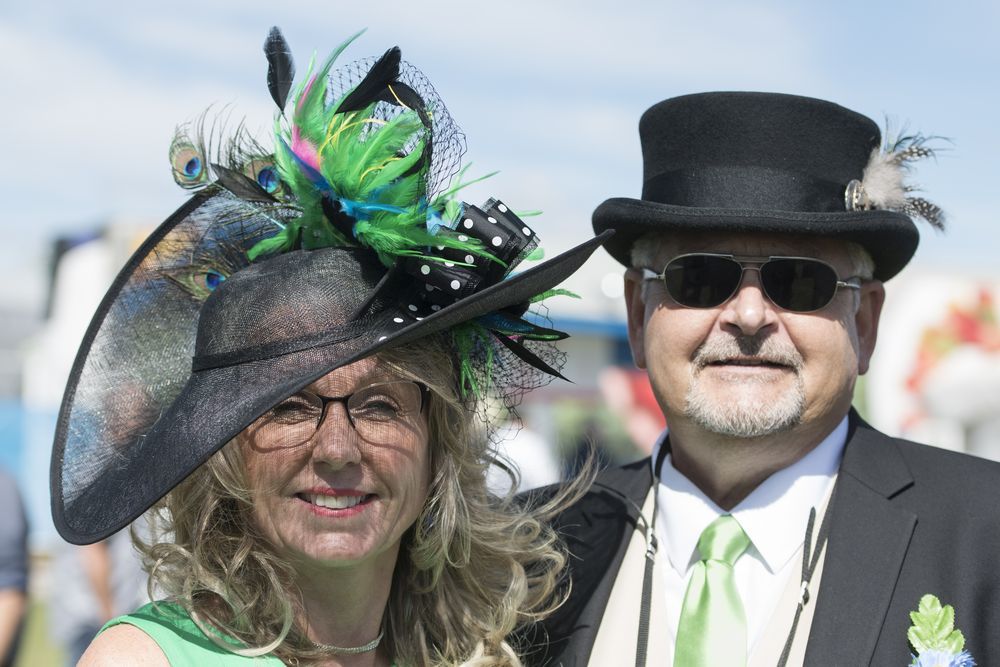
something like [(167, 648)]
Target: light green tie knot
[(723, 540), (712, 631)]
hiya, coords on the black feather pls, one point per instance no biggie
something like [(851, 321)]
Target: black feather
[(280, 67), (397, 92), (528, 356), (241, 185), (375, 83)]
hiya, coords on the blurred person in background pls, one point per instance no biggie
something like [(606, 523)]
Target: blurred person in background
[(772, 525), (91, 584), (291, 375), (13, 568)]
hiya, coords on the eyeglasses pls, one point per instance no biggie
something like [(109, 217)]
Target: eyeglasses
[(377, 412), (707, 280)]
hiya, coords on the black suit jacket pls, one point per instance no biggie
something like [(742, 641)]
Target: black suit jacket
[(907, 520)]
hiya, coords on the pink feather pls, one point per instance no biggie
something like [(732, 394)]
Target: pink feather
[(304, 149)]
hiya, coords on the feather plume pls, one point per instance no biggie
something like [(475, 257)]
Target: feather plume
[(280, 67), (884, 186), (384, 72), (241, 185)]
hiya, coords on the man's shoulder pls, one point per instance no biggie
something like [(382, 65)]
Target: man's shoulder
[(612, 486), (929, 463), (929, 480)]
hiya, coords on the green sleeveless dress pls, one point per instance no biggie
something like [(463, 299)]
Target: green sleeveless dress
[(182, 641)]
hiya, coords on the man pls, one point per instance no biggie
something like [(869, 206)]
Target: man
[(787, 530)]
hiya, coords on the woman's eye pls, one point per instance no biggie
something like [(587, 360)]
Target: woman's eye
[(376, 408), (294, 409)]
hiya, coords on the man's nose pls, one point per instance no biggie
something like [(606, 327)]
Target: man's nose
[(749, 311)]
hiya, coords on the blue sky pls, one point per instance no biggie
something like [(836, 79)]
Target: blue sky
[(548, 93)]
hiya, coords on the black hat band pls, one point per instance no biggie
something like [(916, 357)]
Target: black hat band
[(745, 187)]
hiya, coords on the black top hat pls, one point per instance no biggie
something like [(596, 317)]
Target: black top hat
[(766, 162), (285, 268)]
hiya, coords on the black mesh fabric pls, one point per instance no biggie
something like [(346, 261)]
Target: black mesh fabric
[(448, 145)]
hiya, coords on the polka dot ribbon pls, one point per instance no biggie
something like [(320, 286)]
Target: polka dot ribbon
[(455, 274)]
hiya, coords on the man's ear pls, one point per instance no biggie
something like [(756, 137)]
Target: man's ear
[(866, 320), (635, 306)]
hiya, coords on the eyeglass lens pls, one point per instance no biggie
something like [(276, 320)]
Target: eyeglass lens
[(377, 412), (792, 283)]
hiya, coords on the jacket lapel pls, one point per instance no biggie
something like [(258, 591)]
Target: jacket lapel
[(596, 531), (868, 540)]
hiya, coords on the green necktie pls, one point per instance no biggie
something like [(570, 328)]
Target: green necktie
[(712, 631)]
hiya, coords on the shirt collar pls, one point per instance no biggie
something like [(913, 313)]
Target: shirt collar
[(774, 515)]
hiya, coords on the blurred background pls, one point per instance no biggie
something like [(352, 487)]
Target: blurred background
[(549, 94)]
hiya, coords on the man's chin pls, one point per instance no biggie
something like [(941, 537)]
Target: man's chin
[(740, 414)]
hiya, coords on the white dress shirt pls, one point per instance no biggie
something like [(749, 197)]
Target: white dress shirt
[(774, 516)]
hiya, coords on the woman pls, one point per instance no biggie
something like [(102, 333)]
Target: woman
[(289, 373)]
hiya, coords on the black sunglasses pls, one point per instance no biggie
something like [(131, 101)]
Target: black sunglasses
[(707, 280)]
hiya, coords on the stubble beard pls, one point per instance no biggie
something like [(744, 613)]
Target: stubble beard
[(749, 410)]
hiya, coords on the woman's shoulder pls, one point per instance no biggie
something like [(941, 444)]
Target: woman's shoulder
[(125, 645), (161, 634)]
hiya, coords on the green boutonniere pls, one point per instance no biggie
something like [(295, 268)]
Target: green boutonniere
[(933, 636)]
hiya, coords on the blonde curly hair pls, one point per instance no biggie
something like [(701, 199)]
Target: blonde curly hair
[(471, 570)]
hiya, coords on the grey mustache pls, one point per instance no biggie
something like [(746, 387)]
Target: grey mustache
[(764, 349)]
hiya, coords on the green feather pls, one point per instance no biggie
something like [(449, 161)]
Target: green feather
[(553, 292), (280, 242), (310, 109)]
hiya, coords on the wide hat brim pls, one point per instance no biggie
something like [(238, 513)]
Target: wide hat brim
[(890, 237), (191, 418)]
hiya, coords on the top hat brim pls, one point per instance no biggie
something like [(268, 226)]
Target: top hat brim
[(890, 238), (153, 463)]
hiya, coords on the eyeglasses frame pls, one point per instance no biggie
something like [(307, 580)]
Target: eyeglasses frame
[(325, 401), (852, 282)]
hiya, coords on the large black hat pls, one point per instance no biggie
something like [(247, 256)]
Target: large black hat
[(283, 268), (767, 162)]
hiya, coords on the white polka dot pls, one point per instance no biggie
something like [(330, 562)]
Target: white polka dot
[(497, 241), (503, 209), (526, 231), (440, 247), (429, 288), (397, 320), (449, 264), (469, 259), (492, 219), (468, 223), (455, 284), (419, 318), (435, 307), (425, 269), (412, 307), (463, 237), (382, 338)]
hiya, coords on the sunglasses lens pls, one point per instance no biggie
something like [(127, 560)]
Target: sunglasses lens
[(702, 281), (800, 285)]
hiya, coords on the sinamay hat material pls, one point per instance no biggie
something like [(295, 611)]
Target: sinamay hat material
[(745, 162), (284, 267)]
